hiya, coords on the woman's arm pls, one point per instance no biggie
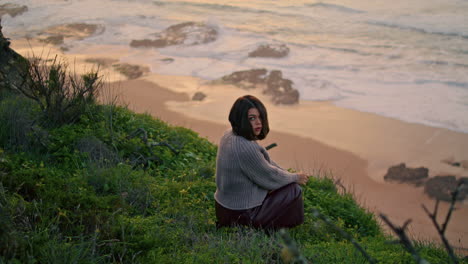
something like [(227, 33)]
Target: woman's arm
[(275, 164), (261, 171)]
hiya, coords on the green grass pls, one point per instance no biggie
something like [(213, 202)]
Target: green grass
[(92, 191)]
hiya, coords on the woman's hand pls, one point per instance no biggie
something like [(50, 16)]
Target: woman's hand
[(303, 178)]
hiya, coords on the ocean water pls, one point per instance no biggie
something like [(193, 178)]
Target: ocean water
[(401, 59)]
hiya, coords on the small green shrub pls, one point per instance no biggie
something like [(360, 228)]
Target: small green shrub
[(17, 128), (62, 96)]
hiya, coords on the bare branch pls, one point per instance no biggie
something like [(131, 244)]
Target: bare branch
[(340, 184), (452, 206), (441, 229), (164, 144), (151, 144), (404, 240), (61, 96)]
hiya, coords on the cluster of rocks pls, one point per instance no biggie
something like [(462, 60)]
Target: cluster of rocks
[(272, 83), (198, 96), (12, 9), (270, 51), (188, 33), (192, 33), (56, 35), (439, 187), (131, 71), (401, 174)]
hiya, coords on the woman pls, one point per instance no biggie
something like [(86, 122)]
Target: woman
[(251, 189)]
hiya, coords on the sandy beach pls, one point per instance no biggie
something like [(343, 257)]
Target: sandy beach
[(315, 137)]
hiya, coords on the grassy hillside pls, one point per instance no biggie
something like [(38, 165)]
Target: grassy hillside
[(102, 184)]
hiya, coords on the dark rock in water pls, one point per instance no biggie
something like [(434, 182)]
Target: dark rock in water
[(442, 187), (253, 77), (54, 40), (57, 35), (270, 51), (279, 88), (400, 173), (167, 60), (287, 98), (188, 33), (148, 43), (102, 62), (12, 9), (131, 71), (198, 96)]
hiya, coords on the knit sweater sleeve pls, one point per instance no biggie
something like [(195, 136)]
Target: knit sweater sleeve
[(275, 164), (261, 171)]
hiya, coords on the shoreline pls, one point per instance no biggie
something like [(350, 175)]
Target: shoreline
[(315, 137)]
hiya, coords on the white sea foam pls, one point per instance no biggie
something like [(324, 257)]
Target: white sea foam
[(402, 59)]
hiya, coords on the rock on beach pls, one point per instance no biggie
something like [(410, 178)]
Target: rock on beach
[(188, 33), (402, 174), (270, 51), (272, 83), (58, 35), (442, 187)]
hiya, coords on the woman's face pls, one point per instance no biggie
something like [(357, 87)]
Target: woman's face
[(255, 121)]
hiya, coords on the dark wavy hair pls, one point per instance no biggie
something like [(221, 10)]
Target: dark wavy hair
[(238, 117)]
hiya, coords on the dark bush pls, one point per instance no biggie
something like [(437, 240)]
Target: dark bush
[(61, 95)]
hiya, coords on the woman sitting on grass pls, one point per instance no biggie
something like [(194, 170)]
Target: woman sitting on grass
[(251, 189)]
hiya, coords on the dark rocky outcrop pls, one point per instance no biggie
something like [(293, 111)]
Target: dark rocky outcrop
[(442, 187), (13, 67), (272, 83), (57, 35), (54, 40), (198, 96), (281, 89), (188, 33), (12, 9), (246, 79), (270, 51), (131, 71), (439, 187), (102, 62), (400, 173)]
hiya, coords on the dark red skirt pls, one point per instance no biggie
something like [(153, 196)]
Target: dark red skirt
[(283, 207)]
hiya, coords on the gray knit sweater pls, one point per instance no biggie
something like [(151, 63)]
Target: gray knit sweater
[(245, 173)]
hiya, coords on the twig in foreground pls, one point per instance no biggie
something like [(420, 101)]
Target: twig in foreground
[(441, 229), (404, 240)]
